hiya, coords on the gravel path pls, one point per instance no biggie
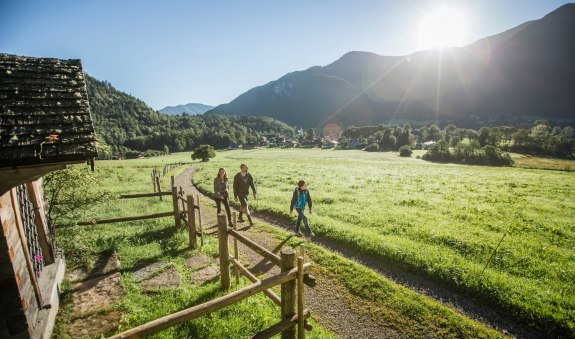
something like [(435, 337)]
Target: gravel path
[(324, 300)]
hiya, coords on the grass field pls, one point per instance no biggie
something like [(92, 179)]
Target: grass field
[(156, 240), (406, 312), (441, 220)]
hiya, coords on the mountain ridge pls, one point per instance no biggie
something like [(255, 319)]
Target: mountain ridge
[(192, 108), (523, 72)]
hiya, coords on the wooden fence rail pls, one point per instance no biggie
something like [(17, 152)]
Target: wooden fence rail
[(211, 306), (183, 211), (143, 195)]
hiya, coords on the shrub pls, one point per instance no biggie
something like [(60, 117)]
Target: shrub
[(405, 151), (372, 147), (203, 152)]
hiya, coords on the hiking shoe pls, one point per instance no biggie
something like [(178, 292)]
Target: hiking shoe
[(311, 234), (298, 234)]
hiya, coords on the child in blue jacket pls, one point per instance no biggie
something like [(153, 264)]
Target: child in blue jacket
[(300, 198)]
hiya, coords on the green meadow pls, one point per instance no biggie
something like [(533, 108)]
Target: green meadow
[(408, 313), (443, 221)]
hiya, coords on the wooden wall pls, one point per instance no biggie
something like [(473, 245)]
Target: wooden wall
[(18, 286)]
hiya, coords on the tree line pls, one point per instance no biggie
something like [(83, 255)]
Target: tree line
[(488, 145)]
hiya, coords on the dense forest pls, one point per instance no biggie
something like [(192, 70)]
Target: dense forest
[(452, 144), (126, 126)]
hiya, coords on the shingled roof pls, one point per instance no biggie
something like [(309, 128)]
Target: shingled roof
[(44, 112)]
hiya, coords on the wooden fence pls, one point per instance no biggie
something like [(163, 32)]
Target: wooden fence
[(294, 274), (183, 210)]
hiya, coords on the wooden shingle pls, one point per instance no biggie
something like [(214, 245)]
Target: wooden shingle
[(44, 112)]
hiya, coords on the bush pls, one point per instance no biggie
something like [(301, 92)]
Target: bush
[(203, 152), (405, 151), (372, 147)]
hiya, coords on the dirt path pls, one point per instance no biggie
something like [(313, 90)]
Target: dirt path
[(325, 300), (335, 313)]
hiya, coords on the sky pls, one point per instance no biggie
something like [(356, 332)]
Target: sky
[(176, 51)]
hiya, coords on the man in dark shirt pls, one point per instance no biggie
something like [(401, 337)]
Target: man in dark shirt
[(242, 183)]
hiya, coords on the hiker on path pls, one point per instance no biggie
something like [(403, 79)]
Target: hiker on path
[(300, 198), (222, 193), (242, 183)]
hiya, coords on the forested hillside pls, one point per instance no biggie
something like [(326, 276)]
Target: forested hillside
[(126, 125)]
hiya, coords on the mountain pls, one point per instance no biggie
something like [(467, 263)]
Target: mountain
[(191, 109), (124, 123), (524, 73)]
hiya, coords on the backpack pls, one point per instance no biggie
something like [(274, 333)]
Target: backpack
[(301, 199)]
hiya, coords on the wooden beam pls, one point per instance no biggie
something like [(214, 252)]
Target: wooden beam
[(143, 195), (236, 250), (239, 267), (40, 221), (256, 247), (13, 176), (138, 217), (300, 298), (288, 294), (159, 187), (281, 326), (197, 311), (224, 252), (176, 212), (191, 222)]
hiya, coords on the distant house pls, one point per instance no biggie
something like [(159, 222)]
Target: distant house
[(251, 145), (45, 124), (427, 144), (308, 144), (328, 143)]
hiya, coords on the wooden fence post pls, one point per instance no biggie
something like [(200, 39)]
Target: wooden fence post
[(191, 222), (288, 291), (200, 218), (176, 207), (224, 251), (172, 181), (236, 253), (159, 187), (300, 300)]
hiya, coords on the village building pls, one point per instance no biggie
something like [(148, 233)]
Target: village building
[(45, 125)]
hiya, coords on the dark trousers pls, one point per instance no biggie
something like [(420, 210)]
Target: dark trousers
[(226, 203), (301, 216)]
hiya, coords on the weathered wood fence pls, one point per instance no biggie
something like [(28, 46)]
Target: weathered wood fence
[(183, 210), (294, 274)]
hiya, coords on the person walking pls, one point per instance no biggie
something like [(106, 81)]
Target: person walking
[(242, 183), (300, 198), (222, 193)]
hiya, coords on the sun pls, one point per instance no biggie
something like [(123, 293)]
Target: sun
[(443, 27)]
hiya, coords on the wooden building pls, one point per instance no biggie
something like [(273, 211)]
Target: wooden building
[(45, 125)]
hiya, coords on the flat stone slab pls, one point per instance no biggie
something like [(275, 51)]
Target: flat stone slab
[(170, 278), (97, 293), (146, 271), (205, 275), (104, 263), (95, 325), (198, 260)]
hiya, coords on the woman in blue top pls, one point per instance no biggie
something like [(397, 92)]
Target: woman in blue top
[(300, 198)]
